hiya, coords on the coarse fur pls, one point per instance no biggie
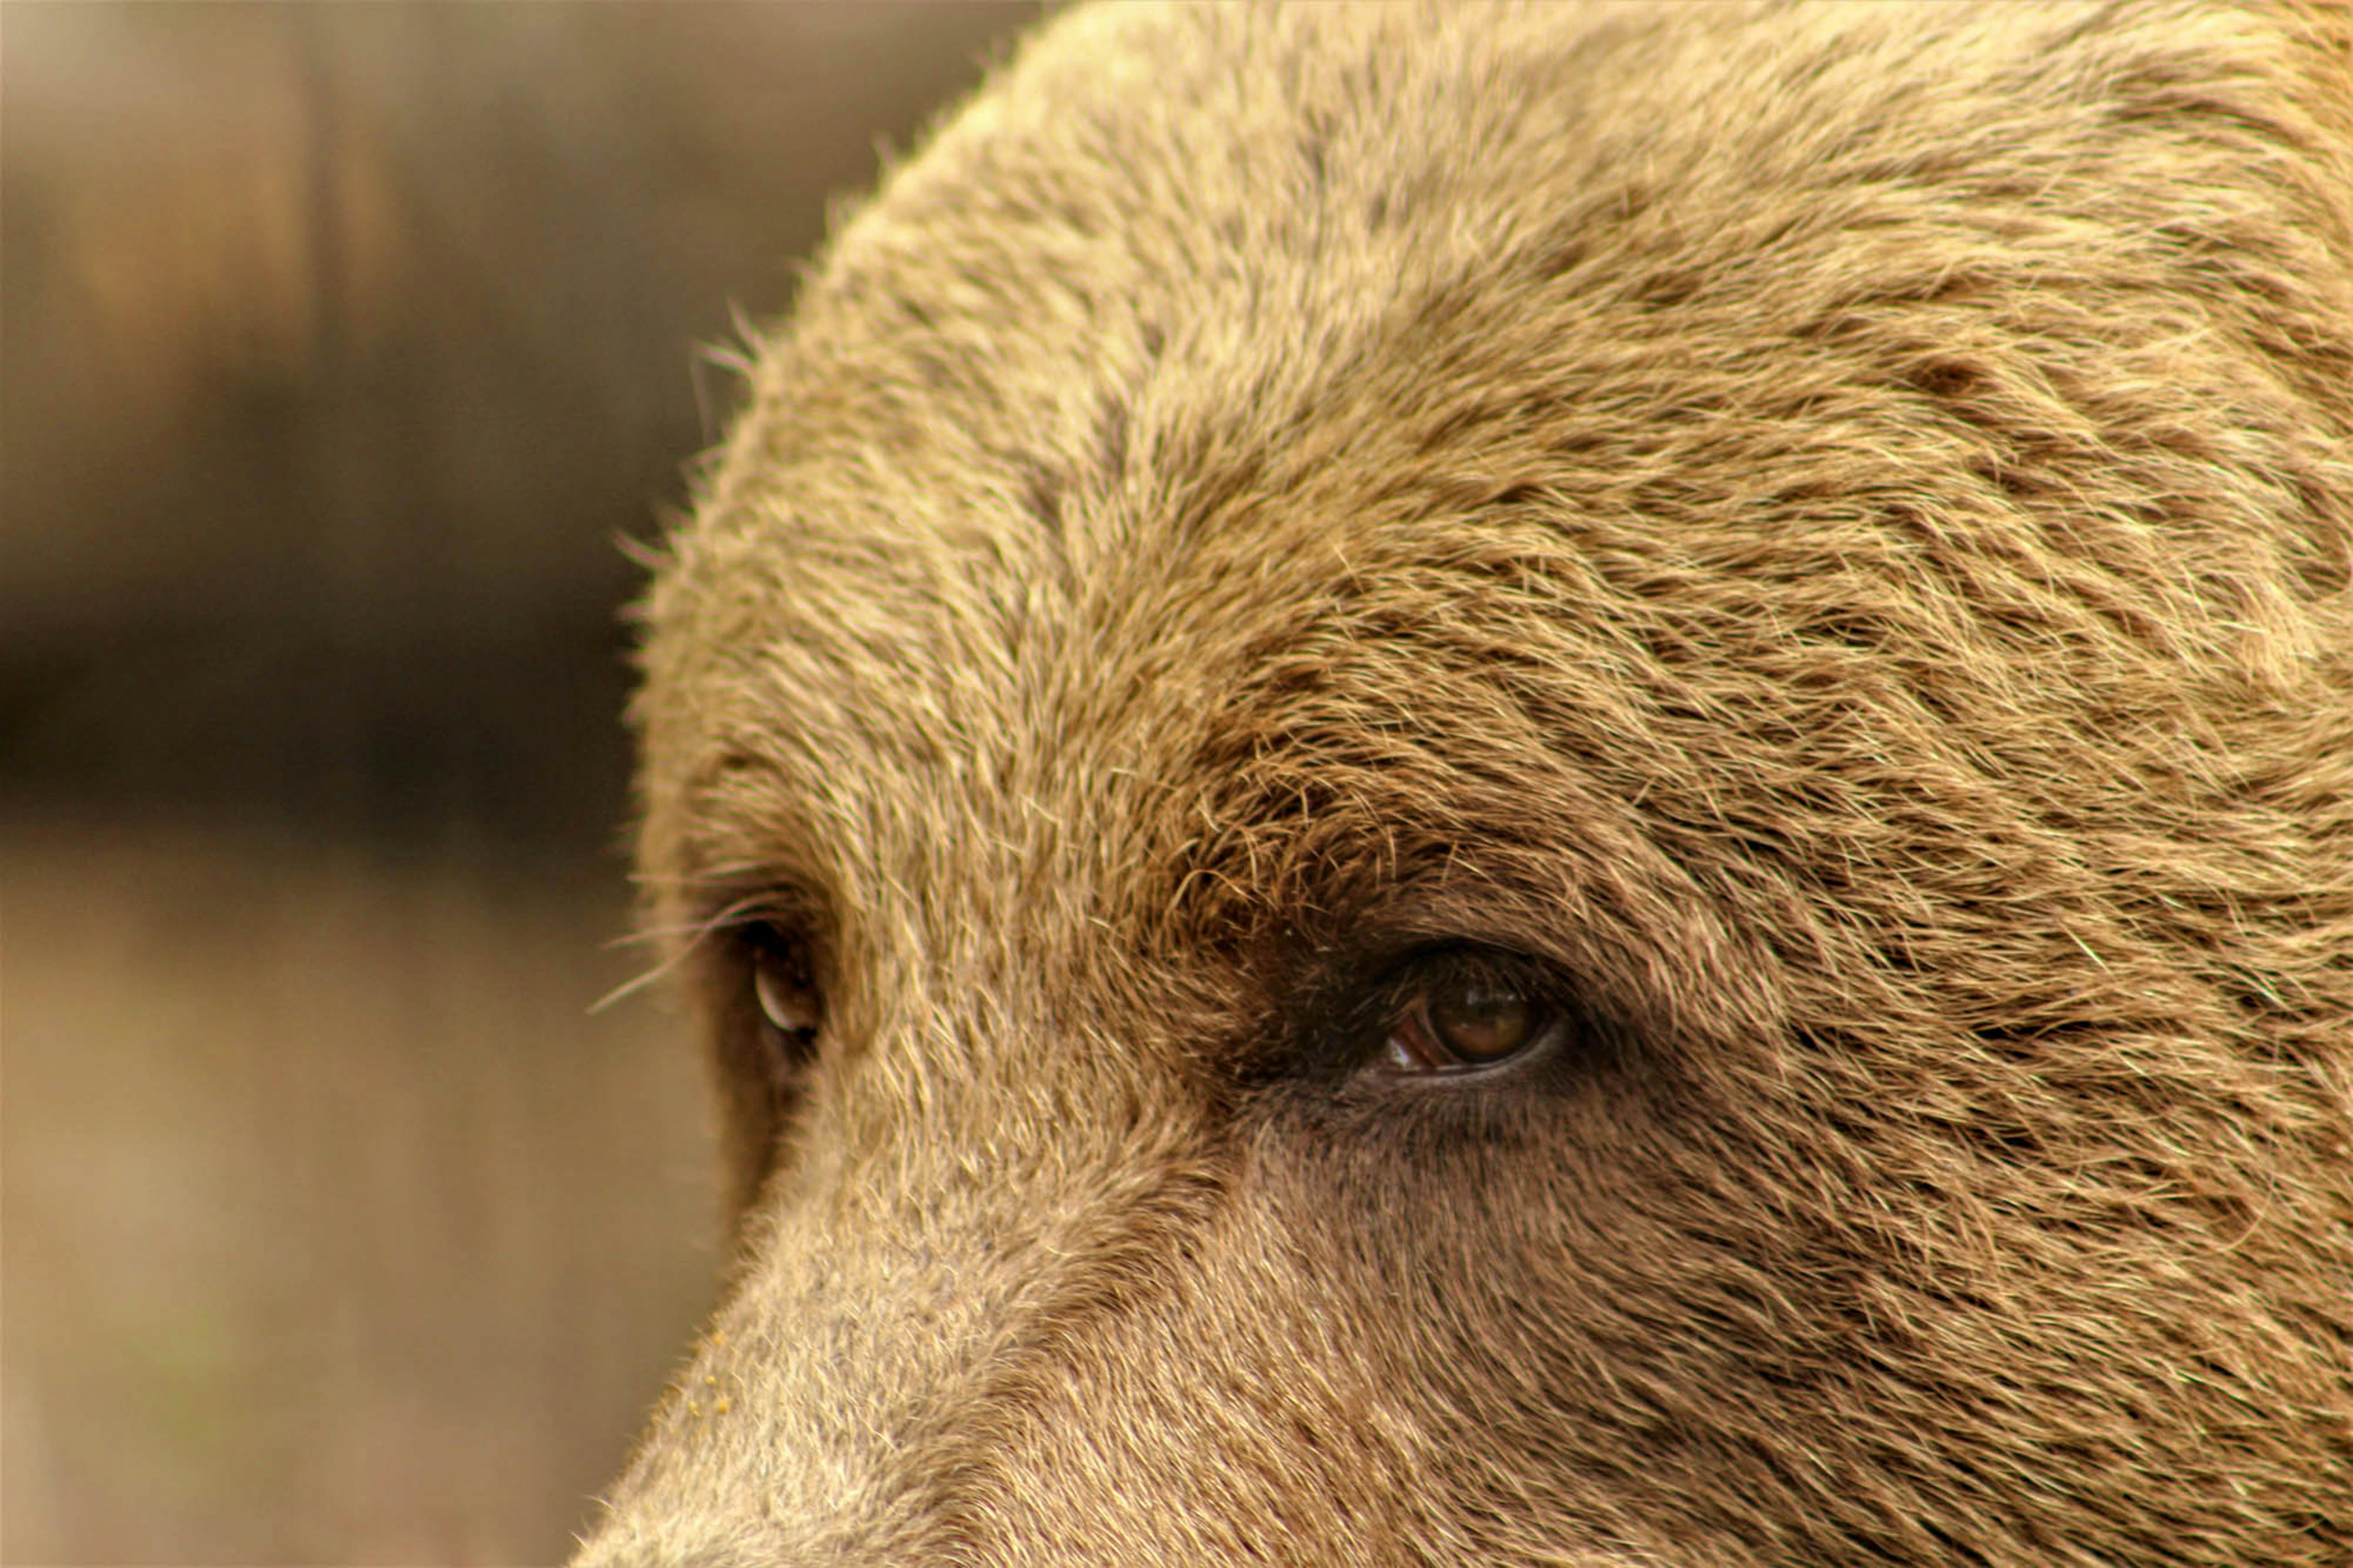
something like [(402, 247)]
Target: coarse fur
[(1821, 533)]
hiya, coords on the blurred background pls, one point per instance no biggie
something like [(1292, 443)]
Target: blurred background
[(340, 348)]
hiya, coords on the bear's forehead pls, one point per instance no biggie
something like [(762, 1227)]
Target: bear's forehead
[(1183, 479)]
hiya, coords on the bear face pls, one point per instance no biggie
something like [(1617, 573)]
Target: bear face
[(1537, 786)]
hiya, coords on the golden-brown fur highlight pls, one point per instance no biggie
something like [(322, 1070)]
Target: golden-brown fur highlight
[(1825, 527)]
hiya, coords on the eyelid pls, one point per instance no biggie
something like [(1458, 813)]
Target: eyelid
[(755, 909)]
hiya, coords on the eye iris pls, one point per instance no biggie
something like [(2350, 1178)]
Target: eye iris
[(1479, 1025)]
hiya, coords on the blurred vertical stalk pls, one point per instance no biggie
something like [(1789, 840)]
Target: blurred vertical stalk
[(323, 476), (321, 192)]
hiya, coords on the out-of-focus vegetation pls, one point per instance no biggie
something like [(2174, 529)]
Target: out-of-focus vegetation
[(338, 345)]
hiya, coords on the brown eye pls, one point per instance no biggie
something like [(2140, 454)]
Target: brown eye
[(1458, 1024), (1483, 1024), (788, 1004)]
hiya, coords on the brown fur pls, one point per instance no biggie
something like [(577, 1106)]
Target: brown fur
[(1827, 529)]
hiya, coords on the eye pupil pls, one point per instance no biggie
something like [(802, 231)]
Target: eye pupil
[(1478, 1024)]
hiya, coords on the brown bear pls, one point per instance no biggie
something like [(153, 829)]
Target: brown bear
[(1537, 786)]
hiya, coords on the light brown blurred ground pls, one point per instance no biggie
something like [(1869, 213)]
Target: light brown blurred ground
[(338, 345)]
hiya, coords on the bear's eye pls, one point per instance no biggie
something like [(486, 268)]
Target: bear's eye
[(790, 1010), (1455, 1023)]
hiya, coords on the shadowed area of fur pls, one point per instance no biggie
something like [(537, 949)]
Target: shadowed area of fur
[(1825, 528)]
